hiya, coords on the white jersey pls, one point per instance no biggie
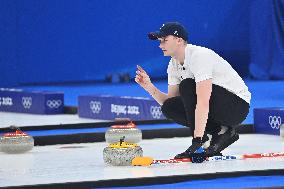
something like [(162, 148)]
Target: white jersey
[(201, 64)]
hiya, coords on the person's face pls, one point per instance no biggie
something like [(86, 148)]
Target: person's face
[(168, 45)]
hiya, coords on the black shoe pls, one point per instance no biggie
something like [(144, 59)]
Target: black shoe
[(196, 144), (222, 141)]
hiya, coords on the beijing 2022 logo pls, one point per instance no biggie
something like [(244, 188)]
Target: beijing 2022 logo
[(275, 122)]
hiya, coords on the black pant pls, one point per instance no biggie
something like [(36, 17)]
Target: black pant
[(225, 108)]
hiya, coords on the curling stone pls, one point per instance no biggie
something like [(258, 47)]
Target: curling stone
[(121, 153), (16, 142), (131, 133)]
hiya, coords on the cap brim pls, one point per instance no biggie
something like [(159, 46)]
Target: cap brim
[(155, 35)]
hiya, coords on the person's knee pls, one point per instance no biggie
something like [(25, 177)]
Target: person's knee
[(167, 107)]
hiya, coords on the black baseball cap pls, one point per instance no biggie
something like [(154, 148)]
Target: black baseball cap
[(170, 28)]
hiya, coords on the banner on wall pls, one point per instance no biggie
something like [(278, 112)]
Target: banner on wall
[(268, 120), (15, 100), (111, 107)]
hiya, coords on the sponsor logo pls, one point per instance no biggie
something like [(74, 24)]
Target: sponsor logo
[(118, 109), (6, 101), (219, 158), (95, 106), (10, 89), (124, 109), (275, 122), (134, 110), (27, 102), (276, 154), (156, 112), (53, 104)]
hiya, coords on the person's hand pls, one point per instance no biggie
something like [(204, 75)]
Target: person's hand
[(195, 152), (142, 78), (198, 156)]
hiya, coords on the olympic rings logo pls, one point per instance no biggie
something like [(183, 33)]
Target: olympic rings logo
[(95, 106), (156, 112), (275, 122), (53, 103), (27, 102)]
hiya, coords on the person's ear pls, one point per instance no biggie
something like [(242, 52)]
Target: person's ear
[(180, 40)]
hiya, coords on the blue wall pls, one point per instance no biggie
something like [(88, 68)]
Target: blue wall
[(79, 40), (8, 44)]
